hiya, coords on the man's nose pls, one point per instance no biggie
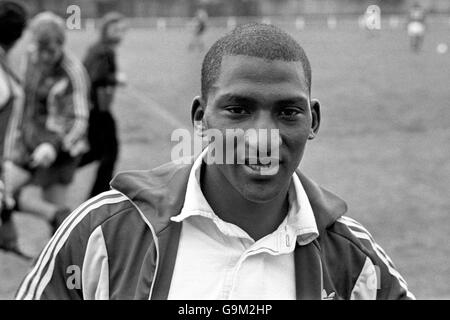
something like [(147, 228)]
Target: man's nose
[(267, 137)]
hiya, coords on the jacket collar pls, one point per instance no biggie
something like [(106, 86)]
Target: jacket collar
[(160, 193)]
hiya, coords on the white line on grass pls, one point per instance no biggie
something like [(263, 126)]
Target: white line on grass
[(154, 106)]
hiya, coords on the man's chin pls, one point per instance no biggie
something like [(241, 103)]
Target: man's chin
[(260, 194)]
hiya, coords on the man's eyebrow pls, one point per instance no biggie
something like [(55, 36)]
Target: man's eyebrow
[(293, 100), (232, 97)]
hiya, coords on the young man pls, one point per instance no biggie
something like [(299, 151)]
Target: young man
[(13, 18), (224, 231), (100, 63), (54, 123)]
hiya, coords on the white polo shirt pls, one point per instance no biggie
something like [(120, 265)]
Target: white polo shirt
[(218, 260)]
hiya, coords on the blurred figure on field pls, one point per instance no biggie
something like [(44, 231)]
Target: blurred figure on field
[(52, 134), (13, 18), (200, 20), (101, 65), (416, 27), (371, 20)]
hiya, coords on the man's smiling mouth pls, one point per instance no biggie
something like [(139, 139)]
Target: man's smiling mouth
[(262, 166), (257, 167)]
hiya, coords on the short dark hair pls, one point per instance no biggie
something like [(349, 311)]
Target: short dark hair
[(13, 20), (254, 40)]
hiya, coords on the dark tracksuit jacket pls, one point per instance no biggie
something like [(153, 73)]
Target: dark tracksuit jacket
[(100, 63), (123, 245)]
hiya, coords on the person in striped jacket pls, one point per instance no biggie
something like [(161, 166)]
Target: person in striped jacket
[(53, 131), (13, 17), (201, 229)]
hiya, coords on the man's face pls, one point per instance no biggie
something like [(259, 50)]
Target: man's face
[(49, 51), (115, 32), (253, 93)]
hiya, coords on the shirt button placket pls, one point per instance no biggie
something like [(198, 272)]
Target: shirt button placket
[(229, 276), (234, 273)]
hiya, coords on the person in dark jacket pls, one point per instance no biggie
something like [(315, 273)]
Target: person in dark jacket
[(242, 228), (100, 62)]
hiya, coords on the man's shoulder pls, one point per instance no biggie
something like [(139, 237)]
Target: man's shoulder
[(133, 192), (166, 179), (326, 205), (98, 210), (349, 233)]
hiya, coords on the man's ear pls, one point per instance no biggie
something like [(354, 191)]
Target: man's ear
[(197, 113), (315, 123)]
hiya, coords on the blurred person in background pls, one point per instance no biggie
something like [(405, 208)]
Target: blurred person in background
[(101, 65), (13, 18), (52, 133), (371, 20), (200, 22), (416, 27)]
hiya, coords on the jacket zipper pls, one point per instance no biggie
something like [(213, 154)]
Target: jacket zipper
[(155, 240)]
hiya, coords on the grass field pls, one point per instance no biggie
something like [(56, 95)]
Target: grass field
[(383, 144)]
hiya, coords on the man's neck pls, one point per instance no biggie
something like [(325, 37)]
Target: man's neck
[(257, 219)]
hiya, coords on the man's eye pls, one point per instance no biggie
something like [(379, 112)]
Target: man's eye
[(289, 112), (237, 110)]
